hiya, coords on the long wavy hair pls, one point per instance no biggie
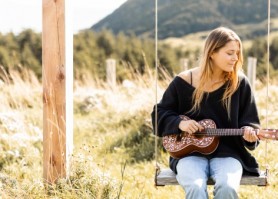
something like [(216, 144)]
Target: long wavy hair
[(216, 40)]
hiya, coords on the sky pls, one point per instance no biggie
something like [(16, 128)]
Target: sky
[(17, 15)]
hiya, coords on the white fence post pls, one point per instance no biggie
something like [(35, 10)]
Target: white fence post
[(111, 72), (183, 64), (251, 71)]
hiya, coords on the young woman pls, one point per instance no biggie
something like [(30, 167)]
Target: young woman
[(216, 90)]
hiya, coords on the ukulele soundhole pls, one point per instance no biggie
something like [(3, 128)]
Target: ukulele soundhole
[(174, 143)]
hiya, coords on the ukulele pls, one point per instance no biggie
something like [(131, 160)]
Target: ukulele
[(206, 141)]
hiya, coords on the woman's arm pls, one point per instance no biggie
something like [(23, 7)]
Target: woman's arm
[(167, 112)]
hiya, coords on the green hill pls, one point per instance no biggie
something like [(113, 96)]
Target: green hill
[(177, 18)]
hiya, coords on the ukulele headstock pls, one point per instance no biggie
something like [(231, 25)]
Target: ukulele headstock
[(268, 134)]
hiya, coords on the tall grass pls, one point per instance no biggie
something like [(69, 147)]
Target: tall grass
[(113, 141)]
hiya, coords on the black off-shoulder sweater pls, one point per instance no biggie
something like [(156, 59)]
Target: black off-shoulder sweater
[(177, 100)]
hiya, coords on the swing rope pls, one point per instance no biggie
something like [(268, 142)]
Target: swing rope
[(267, 81), (157, 168)]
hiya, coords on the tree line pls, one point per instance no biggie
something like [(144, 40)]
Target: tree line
[(91, 49), (22, 50)]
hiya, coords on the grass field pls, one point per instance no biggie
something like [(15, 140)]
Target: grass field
[(113, 141)]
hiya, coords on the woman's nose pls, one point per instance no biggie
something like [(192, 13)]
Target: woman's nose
[(235, 57)]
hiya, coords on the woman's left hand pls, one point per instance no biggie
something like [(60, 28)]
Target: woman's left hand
[(250, 134)]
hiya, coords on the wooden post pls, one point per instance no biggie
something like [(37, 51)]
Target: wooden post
[(111, 72), (183, 64), (53, 61), (251, 71)]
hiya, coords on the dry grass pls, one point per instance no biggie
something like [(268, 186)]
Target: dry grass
[(111, 137)]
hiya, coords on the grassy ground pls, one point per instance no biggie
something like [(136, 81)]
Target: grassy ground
[(113, 142)]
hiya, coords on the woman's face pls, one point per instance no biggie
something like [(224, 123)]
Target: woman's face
[(226, 57)]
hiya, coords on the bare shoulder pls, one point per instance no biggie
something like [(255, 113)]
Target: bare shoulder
[(187, 74)]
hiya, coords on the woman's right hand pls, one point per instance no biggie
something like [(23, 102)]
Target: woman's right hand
[(190, 126)]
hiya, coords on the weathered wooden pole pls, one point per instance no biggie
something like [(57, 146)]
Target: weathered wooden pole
[(183, 64), (111, 72), (251, 70), (54, 103)]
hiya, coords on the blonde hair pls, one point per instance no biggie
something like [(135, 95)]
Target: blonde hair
[(216, 40)]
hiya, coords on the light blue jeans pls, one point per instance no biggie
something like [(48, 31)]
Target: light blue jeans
[(193, 173)]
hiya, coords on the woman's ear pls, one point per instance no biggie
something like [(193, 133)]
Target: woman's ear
[(211, 55)]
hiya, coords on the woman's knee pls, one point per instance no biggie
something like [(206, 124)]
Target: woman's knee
[(195, 187)]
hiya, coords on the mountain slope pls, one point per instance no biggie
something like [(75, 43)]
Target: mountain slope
[(177, 18)]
